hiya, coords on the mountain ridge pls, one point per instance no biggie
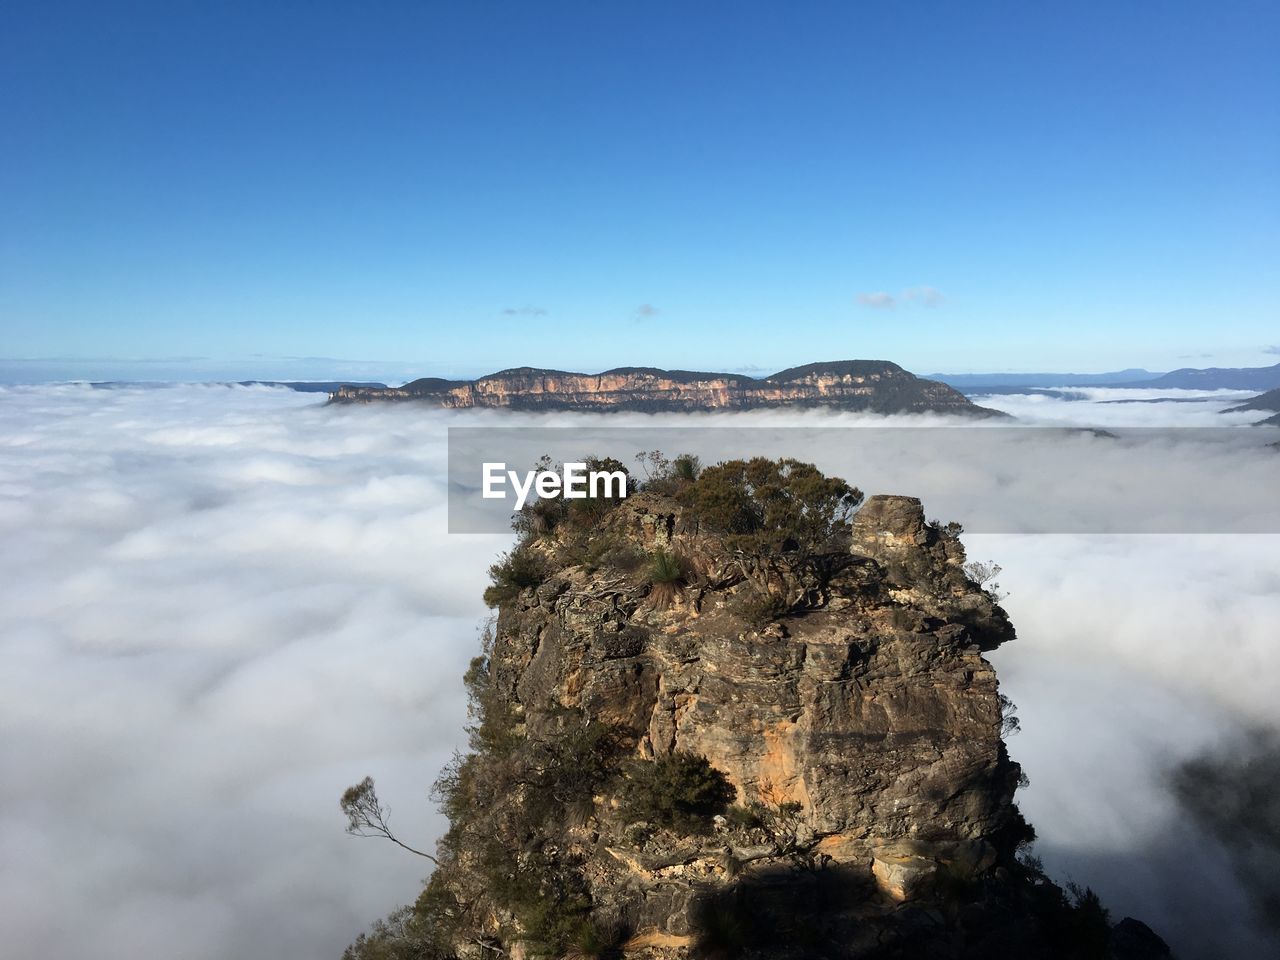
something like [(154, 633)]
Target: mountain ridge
[(1184, 378), (974, 382), (1213, 378)]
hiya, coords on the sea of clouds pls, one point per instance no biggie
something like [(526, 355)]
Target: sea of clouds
[(219, 606)]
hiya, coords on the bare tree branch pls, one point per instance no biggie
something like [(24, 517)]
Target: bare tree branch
[(367, 817)]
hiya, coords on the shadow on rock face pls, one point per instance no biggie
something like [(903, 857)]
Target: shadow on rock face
[(782, 913), (839, 913)]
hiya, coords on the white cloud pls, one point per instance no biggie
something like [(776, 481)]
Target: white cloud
[(877, 300), (921, 296), (1133, 655), (219, 607), (924, 295), (1112, 407)]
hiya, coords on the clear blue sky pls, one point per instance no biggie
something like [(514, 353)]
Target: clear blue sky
[(470, 185)]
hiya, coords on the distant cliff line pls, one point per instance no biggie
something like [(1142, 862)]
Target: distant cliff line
[(876, 386)]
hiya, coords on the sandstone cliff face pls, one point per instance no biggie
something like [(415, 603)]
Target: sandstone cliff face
[(877, 386), (862, 727), (877, 713)]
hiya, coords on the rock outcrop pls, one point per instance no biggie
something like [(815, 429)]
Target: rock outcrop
[(859, 729), (873, 385)]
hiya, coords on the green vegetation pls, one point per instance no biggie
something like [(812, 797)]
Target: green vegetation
[(609, 554), (686, 467), (367, 817), (783, 525), (779, 821), (951, 529), (409, 933), (666, 567), (668, 574), (543, 517), (514, 786), (549, 896), (788, 525), (760, 607), (510, 788), (666, 476), (1009, 722), (1074, 918), (765, 506), (984, 575), (680, 791), (745, 816), (513, 572), (491, 722)]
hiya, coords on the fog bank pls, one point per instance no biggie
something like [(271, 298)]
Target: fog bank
[(220, 606)]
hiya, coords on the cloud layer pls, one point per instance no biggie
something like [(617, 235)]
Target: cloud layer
[(219, 607)]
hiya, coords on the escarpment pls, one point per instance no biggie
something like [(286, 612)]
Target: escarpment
[(872, 385), (728, 716)]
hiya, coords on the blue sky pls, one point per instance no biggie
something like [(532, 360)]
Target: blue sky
[(459, 187)]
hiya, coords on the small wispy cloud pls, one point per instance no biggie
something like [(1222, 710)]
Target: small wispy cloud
[(646, 311), (1273, 350), (924, 295), (921, 296), (525, 311), (879, 300)]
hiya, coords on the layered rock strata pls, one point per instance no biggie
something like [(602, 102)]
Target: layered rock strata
[(872, 385)]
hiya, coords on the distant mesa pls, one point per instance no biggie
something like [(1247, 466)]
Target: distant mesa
[(875, 386)]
